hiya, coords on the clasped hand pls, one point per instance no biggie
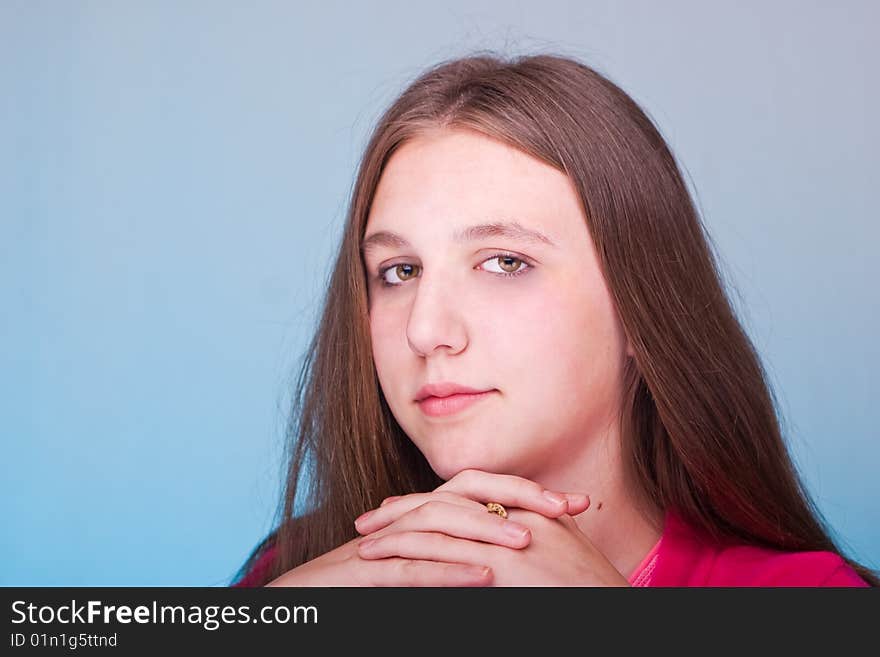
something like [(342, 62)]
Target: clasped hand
[(539, 544), (447, 537)]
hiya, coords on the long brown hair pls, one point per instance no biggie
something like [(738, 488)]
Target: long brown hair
[(699, 428)]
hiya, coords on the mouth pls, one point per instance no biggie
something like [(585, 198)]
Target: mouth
[(433, 406)]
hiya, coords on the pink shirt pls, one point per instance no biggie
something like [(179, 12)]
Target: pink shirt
[(684, 557)]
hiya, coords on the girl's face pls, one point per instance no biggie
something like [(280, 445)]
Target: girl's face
[(490, 281)]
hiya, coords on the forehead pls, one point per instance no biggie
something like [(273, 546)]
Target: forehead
[(442, 184)]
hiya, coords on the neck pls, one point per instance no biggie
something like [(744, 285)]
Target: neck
[(614, 523)]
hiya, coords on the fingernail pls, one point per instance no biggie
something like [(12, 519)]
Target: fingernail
[(478, 572), (577, 498), (556, 498), (515, 530), (363, 517), (389, 499), (367, 542)]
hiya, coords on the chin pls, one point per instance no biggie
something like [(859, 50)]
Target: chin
[(446, 468)]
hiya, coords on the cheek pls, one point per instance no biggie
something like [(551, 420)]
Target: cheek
[(386, 327), (386, 350), (512, 323), (568, 344), (544, 325)]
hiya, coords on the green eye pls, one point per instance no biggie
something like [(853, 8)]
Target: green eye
[(510, 265)]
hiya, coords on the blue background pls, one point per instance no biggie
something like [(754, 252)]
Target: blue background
[(173, 181)]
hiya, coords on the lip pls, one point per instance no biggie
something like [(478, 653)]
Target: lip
[(445, 389), (450, 404)]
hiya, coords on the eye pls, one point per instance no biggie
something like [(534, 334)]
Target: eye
[(510, 265), (404, 271)]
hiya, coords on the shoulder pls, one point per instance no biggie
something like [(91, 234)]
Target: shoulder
[(687, 557), (745, 565)]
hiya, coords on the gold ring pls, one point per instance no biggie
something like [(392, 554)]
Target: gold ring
[(497, 509)]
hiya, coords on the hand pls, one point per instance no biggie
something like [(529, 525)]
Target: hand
[(539, 543), (470, 489), (344, 567)]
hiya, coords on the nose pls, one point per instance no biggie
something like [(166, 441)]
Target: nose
[(435, 319)]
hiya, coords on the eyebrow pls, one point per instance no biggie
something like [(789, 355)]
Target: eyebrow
[(506, 229)]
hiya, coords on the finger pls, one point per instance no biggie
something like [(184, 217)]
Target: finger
[(577, 503), (511, 490), (388, 512), (397, 571), (476, 524), (430, 546)]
